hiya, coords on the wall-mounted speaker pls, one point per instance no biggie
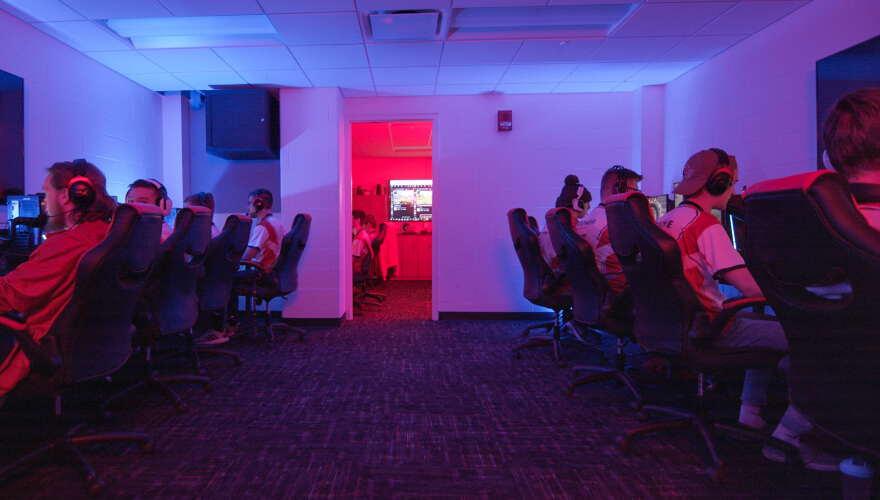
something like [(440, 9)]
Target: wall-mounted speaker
[(242, 124)]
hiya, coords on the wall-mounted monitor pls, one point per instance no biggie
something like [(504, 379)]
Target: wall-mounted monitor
[(410, 200)]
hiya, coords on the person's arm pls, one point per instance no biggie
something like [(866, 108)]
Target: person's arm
[(250, 253), (741, 279), (255, 243)]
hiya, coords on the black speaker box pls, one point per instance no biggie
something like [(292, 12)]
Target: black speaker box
[(242, 124)]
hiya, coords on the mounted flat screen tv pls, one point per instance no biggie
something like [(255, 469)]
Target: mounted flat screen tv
[(851, 69), (410, 200), (11, 136)]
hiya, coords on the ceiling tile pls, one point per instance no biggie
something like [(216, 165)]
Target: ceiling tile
[(127, 62), (749, 17), (392, 90), (187, 60), (562, 50), (457, 75), (183, 8), (41, 11), (657, 73), (479, 52), (604, 72), (628, 87), (83, 35), (525, 88), (330, 56), (701, 47), (385, 55), (537, 73), (257, 58), (318, 29), (473, 89), (583, 87), (373, 5), (159, 82), (358, 77), (301, 6), (284, 78), (670, 19), (634, 49), (405, 76), (206, 80), (110, 9)]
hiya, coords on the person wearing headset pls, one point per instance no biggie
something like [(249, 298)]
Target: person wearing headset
[(203, 199), (78, 210), (708, 255), (151, 192), (616, 179), (266, 232), (573, 196)]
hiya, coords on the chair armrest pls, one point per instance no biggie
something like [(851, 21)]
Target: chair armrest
[(264, 273), (553, 285), (41, 361), (709, 332)]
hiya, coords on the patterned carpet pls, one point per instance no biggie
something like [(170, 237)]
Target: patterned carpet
[(394, 405)]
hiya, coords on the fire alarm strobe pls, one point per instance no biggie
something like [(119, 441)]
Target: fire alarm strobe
[(505, 120)]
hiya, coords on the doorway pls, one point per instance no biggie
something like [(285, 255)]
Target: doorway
[(392, 181)]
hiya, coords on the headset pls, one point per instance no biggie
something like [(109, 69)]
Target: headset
[(258, 203), (722, 178), (80, 189), (163, 195), (620, 182), (577, 203), (201, 197)]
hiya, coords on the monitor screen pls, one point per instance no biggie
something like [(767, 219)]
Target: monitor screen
[(736, 229), (22, 206), (410, 200), (659, 204)]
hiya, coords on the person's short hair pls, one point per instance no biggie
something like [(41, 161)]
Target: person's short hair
[(573, 190), (263, 194), (102, 208), (359, 215), (371, 220), (852, 132), (151, 184), (616, 174), (201, 199)]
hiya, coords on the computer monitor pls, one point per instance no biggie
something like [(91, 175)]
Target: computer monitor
[(410, 200), (734, 222), (659, 205), (22, 207)]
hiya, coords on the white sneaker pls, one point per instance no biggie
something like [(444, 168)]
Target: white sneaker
[(750, 416), (812, 458), (212, 337)]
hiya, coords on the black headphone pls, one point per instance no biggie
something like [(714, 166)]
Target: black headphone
[(80, 189), (201, 196), (722, 178), (258, 203), (620, 182)]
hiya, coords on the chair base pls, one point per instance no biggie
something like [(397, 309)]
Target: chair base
[(547, 326), (603, 373), (66, 449), (158, 384), (236, 358)]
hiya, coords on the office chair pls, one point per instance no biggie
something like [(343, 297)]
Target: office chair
[(376, 245), (804, 232), (281, 279), (92, 336), (539, 286), (170, 302), (594, 303), (221, 263), (671, 322)]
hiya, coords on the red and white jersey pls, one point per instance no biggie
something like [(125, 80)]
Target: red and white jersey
[(596, 233), (266, 237), (871, 213), (706, 251)]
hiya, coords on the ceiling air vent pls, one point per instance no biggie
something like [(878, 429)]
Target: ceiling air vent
[(406, 25)]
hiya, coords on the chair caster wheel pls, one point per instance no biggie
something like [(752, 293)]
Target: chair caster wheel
[(180, 408), (96, 487), (624, 442), (569, 392), (642, 416), (208, 387), (517, 355), (716, 474), (148, 447), (560, 363), (525, 333)]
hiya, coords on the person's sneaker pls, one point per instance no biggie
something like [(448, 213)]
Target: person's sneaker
[(812, 458), (230, 330), (212, 337), (750, 416)]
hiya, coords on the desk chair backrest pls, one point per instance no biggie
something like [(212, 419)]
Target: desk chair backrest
[(292, 247), (805, 231), (589, 290), (667, 308), (536, 272), (379, 239), (222, 261), (93, 331), (180, 267)]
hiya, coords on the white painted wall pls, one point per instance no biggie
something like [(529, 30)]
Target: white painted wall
[(78, 108), (757, 100), (479, 174)]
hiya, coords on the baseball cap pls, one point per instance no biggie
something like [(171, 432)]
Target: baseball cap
[(698, 169)]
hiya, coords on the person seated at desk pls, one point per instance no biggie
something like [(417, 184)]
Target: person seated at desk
[(361, 247), (78, 211), (203, 199), (151, 192), (577, 198)]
